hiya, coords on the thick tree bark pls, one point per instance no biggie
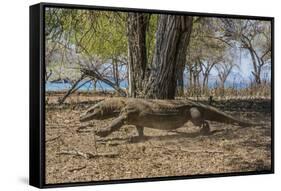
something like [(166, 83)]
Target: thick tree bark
[(137, 58), (180, 82), (172, 38)]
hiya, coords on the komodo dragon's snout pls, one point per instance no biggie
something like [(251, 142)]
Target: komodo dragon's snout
[(92, 113), (103, 110)]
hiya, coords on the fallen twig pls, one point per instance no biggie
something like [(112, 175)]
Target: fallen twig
[(187, 150), (77, 169), (87, 155), (83, 129), (52, 139)]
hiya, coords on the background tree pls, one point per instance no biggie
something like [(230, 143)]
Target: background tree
[(225, 67), (137, 54), (172, 39), (153, 54), (204, 52), (88, 44), (253, 36)]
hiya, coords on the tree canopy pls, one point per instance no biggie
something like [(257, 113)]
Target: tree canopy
[(158, 56)]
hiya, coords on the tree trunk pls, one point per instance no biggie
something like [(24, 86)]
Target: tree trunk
[(256, 71), (206, 75), (172, 38), (190, 77), (194, 81), (137, 58), (205, 82), (198, 90), (180, 84), (115, 72)]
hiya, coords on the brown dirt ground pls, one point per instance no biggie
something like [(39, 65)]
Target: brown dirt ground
[(120, 155)]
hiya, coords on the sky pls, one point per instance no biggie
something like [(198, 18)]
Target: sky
[(241, 73)]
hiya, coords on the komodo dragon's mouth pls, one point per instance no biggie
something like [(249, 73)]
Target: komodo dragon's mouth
[(89, 116)]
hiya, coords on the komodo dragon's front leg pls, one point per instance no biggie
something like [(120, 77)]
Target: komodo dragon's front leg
[(114, 126)]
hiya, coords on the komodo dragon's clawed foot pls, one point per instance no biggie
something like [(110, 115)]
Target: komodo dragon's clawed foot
[(205, 130), (114, 126), (103, 133), (141, 136), (138, 139), (140, 130)]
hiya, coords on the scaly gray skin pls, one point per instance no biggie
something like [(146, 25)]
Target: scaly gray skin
[(103, 110), (157, 114)]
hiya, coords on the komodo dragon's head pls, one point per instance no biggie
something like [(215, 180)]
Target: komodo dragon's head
[(103, 110)]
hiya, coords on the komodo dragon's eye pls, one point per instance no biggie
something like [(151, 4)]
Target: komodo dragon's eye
[(96, 112)]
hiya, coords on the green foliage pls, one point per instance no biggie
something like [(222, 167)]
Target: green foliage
[(85, 33), (95, 33)]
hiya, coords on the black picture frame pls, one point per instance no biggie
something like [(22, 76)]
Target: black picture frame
[(37, 95)]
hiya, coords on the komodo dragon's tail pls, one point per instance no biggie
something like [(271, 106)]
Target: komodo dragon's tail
[(213, 114)]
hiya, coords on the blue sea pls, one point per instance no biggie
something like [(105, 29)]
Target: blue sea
[(101, 86), (89, 86)]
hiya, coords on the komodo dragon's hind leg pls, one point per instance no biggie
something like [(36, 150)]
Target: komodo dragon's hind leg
[(197, 118), (140, 130), (141, 136), (205, 129), (114, 126)]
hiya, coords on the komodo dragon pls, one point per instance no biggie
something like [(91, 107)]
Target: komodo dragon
[(157, 114)]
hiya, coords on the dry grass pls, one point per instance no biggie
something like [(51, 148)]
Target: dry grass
[(262, 90)]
